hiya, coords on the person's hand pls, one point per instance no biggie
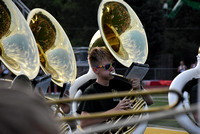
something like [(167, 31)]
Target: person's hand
[(135, 83), (65, 107), (123, 104)]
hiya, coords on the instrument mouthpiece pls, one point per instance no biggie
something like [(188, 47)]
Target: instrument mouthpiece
[(115, 74)]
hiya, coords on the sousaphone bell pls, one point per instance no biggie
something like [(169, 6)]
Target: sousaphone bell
[(121, 31), (18, 49), (56, 54)]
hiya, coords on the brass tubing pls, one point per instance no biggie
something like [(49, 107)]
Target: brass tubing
[(100, 115), (112, 95), (139, 103), (64, 128), (129, 112), (136, 106), (152, 117)]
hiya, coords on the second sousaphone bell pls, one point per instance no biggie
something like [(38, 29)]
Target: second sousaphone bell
[(56, 54)]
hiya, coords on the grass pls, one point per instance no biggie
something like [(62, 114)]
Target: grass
[(162, 100)]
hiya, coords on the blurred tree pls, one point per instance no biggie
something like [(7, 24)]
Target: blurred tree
[(182, 35)]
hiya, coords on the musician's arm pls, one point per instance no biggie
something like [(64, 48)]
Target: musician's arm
[(88, 122), (147, 98), (136, 84), (123, 104)]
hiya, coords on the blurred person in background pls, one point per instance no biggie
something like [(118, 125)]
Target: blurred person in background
[(193, 65), (5, 73), (182, 67)]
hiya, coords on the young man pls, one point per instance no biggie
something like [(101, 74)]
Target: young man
[(102, 62)]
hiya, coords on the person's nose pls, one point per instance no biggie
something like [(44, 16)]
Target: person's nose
[(112, 68)]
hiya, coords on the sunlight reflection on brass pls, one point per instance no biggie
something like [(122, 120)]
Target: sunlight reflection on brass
[(56, 54), (18, 47), (121, 32)]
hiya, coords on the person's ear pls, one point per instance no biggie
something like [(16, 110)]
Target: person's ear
[(95, 70)]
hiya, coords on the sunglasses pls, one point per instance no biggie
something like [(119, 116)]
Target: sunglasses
[(107, 66)]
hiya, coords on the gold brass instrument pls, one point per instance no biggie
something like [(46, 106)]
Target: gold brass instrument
[(152, 117), (63, 127), (18, 49), (56, 54), (137, 103), (119, 94), (122, 33)]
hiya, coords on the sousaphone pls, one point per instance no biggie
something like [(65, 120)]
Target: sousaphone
[(55, 51), (56, 54), (179, 82), (122, 33), (18, 49)]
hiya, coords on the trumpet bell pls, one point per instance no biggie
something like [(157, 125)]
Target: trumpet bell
[(18, 49), (121, 32), (56, 54)]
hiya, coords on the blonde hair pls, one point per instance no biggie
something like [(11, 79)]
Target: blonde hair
[(97, 55)]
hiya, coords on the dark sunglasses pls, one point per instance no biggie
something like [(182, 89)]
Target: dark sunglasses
[(107, 66)]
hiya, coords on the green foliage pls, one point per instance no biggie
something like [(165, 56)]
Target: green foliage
[(182, 35)]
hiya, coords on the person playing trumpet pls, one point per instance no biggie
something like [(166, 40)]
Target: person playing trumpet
[(102, 63)]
